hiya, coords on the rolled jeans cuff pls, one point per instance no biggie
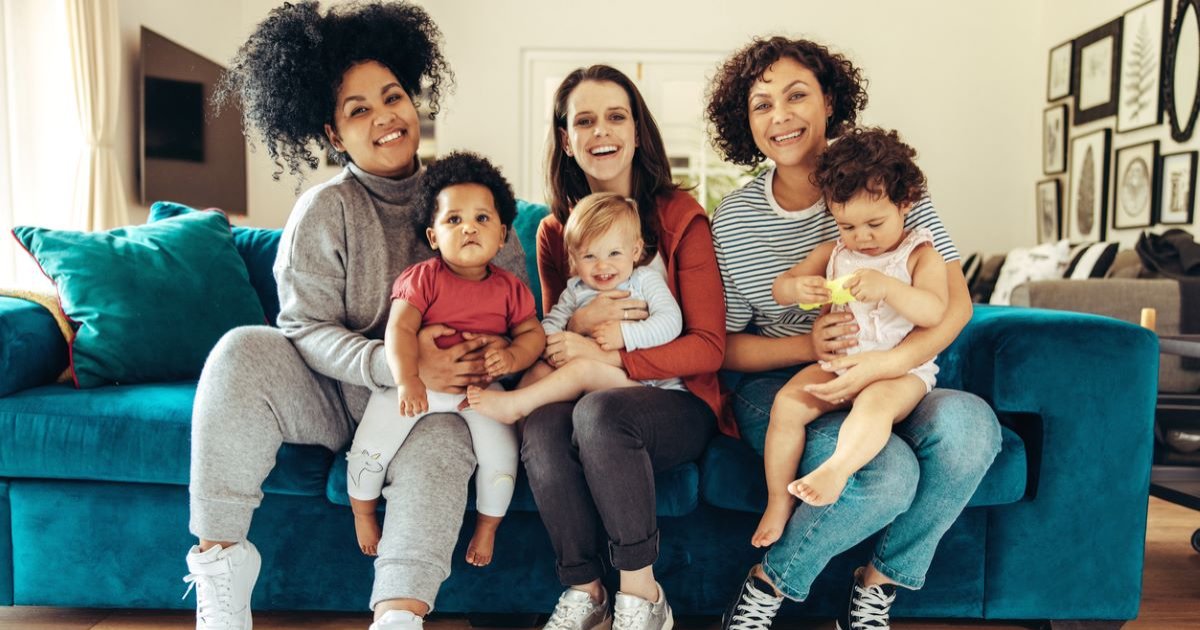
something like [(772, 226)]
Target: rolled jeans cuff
[(219, 521), (781, 585), (910, 582), (578, 574), (406, 579), (634, 556)]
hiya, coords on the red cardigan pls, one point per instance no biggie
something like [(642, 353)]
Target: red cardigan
[(686, 246)]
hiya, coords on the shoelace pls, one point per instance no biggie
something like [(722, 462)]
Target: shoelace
[(631, 617), (568, 615), (873, 610), (756, 610), (212, 599)]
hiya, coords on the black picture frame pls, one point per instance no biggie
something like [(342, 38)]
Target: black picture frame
[(1086, 80), (1054, 140), (1139, 96), (1182, 123), (1059, 68), (1177, 188), (1048, 204), (1087, 197), (1135, 186)]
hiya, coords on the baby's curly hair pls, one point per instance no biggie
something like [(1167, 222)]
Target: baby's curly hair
[(463, 167), (728, 94), (871, 159), (288, 72)]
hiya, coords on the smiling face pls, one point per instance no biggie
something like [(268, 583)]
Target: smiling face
[(607, 260), (870, 223), (375, 122), (788, 111), (601, 135), (467, 229)]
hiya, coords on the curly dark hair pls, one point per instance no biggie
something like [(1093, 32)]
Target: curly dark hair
[(463, 167), (871, 159), (287, 74), (728, 94)]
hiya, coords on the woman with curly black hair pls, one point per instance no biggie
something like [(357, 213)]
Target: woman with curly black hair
[(785, 100), (345, 80)]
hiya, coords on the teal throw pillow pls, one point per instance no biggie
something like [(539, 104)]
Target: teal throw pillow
[(149, 301)]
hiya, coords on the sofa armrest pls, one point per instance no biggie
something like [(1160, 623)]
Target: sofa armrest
[(32, 349), (1092, 382), (1123, 299)]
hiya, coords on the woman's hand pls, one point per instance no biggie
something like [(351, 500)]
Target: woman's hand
[(452, 369), (608, 306), (803, 290), (862, 369), (832, 333), (567, 346)]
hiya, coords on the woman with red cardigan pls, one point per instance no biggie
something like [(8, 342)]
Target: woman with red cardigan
[(591, 463)]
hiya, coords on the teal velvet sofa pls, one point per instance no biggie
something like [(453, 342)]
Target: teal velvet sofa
[(94, 501)]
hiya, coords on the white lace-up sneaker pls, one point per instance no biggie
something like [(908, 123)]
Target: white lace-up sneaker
[(398, 620), (223, 579), (634, 613), (576, 611), (754, 608)]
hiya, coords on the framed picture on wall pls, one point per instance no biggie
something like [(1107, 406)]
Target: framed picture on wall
[(1181, 76), (1095, 72), (1087, 202), (1177, 191), (1058, 77), (1145, 28), (1054, 140), (1049, 211), (1136, 189)]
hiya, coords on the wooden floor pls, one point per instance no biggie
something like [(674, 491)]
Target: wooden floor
[(1170, 598)]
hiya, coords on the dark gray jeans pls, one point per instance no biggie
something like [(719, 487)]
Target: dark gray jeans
[(591, 466)]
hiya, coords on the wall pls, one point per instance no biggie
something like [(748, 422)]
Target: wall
[(1068, 20), (946, 74)]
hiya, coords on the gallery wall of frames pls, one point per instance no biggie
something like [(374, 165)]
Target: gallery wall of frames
[(1117, 131)]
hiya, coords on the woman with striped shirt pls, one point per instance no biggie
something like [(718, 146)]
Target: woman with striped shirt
[(785, 100)]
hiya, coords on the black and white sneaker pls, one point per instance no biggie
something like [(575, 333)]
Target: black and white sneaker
[(754, 608), (870, 606)]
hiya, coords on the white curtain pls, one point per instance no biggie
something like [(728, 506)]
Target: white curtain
[(93, 31)]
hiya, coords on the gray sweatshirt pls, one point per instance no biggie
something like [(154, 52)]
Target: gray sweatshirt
[(344, 244)]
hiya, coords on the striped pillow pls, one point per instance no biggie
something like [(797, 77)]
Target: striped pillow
[(1091, 260)]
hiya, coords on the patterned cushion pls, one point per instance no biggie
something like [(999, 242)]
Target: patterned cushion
[(1091, 260)]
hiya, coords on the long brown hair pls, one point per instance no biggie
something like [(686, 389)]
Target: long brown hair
[(651, 179)]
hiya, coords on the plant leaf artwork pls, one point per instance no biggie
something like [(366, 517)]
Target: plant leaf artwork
[(1139, 101), (1141, 73), (1086, 204)]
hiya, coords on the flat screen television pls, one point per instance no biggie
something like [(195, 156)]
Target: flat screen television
[(187, 153)]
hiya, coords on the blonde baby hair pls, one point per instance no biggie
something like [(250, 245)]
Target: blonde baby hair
[(596, 214)]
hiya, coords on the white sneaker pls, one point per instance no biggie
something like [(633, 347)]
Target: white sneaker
[(223, 579), (398, 620)]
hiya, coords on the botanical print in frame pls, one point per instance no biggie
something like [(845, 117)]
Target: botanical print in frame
[(1087, 203), (1058, 78), (1049, 211), (1095, 72), (1054, 140), (1143, 32), (1136, 188), (1177, 196)]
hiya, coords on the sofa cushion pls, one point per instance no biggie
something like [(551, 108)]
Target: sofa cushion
[(1091, 260), (257, 246), (732, 475), (30, 339), (1022, 265), (149, 301), (677, 491), (135, 433)]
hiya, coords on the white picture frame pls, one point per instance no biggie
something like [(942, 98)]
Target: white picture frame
[(1139, 103), (1177, 188), (1058, 72), (1135, 192)]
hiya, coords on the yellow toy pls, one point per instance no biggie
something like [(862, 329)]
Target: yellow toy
[(840, 294)]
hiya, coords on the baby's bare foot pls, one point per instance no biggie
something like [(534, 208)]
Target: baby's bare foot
[(483, 541), (820, 487), (366, 527), (774, 520), (497, 405)]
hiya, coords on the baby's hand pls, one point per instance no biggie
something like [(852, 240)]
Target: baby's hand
[(608, 336), (413, 400), (499, 362), (868, 285), (811, 291)]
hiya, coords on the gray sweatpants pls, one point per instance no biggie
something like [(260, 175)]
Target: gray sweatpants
[(256, 393)]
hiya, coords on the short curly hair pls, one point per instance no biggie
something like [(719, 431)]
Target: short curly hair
[(728, 94), (287, 74), (871, 159), (463, 167)]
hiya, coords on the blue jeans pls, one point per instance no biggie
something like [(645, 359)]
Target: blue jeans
[(916, 487)]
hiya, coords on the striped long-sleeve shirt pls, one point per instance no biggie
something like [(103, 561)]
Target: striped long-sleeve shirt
[(757, 240)]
